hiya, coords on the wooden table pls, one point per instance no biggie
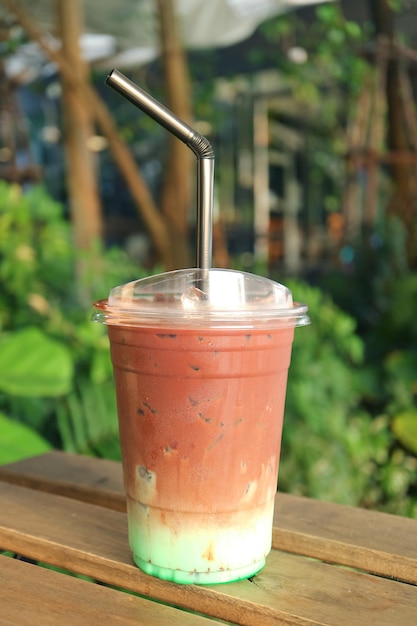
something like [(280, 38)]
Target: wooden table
[(330, 564)]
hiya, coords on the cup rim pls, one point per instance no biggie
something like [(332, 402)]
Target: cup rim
[(295, 316)]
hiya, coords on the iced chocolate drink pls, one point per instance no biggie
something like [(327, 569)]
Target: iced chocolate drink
[(200, 364)]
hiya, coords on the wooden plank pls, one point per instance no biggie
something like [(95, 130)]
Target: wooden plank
[(32, 596), (375, 542), (97, 481), (291, 589)]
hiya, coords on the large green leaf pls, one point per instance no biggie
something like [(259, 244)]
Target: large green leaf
[(33, 364), (404, 426), (19, 441)]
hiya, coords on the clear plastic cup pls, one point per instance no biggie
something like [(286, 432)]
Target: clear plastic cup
[(200, 360)]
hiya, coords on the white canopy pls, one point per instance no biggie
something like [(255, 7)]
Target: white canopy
[(124, 32)]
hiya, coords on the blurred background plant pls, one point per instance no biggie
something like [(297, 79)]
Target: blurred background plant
[(54, 363), (315, 160), (347, 434)]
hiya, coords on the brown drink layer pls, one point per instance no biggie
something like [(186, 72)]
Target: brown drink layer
[(200, 409)]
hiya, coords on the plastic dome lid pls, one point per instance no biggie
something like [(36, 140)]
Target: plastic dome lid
[(198, 297)]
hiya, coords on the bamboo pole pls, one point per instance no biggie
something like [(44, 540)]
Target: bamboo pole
[(121, 153), (376, 132), (84, 199), (177, 187), (356, 139)]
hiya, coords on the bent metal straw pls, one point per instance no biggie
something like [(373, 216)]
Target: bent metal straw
[(196, 142)]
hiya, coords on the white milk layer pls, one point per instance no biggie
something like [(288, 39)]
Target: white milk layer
[(200, 547)]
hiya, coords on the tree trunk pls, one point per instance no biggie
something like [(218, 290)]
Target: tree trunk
[(123, 156), (84, 200), (177, 184), (404, 198)]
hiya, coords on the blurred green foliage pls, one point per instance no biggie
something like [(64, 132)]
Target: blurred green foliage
[(365, 453), (50, 352), (379, 290), (32, 364), (19, 441), (338, 444)]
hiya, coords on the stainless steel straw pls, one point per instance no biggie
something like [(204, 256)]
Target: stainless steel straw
[(196, 142)]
